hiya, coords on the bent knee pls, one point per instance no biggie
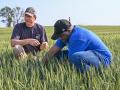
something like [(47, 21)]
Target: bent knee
[(18, 49), (76, 57)]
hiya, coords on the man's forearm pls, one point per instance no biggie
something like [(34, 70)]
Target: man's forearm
[(47, 57), (53, 50), (19, 42)]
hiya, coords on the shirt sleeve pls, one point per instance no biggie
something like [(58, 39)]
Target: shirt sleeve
[(16, 32), (43, 37), (59, 43)]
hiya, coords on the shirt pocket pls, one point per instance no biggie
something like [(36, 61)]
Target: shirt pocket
[(37, 36)]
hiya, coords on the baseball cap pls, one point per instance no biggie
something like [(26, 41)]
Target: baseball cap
[(30, 11), (60, 26)]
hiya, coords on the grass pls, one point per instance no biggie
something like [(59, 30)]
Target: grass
[(34, 75)]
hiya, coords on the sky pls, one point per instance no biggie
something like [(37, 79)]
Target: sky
[(82, 12)]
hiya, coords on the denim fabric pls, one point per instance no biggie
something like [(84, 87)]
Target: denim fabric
[(82, 60)]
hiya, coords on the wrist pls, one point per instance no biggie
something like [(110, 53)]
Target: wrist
[(27, 41)]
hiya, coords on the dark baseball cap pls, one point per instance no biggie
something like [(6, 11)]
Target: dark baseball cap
[(30, 11), (60, 26)]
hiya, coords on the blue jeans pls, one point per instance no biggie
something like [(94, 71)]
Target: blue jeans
[(82, 60)]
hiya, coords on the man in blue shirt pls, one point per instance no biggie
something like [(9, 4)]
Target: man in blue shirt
[(85, 48)]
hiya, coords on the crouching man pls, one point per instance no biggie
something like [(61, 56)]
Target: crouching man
[(28, 37), (85, 48)]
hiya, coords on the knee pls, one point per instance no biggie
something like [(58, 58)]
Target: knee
[(76, 57), (17, 50), (17, 47)]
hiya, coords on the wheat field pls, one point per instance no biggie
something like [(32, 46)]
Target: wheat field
[(35, 75)]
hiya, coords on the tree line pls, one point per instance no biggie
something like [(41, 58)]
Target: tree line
[(11, 16)]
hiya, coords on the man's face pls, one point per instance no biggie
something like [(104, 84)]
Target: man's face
[(29, 20), (65, 35)]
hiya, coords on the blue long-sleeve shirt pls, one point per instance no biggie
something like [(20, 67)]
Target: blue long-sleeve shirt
[(82, 39)]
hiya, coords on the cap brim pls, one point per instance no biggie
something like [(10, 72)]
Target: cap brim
[(29, 14), (55, 36)]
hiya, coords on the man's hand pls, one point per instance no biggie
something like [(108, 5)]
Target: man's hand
[(44, 45), (45, 59), (53, 50), (33, 42)]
